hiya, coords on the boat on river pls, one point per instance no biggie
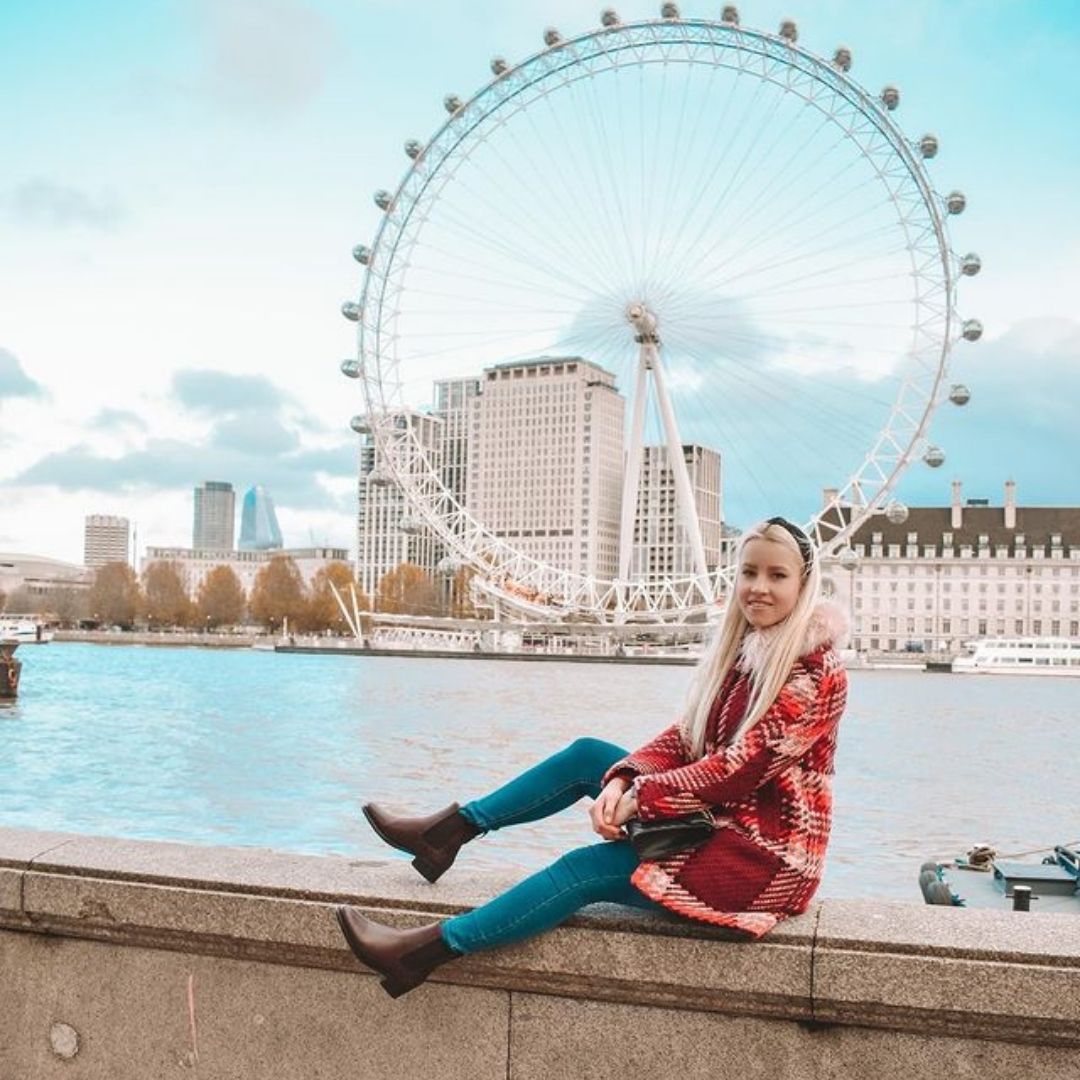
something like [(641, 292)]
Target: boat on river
[(983, 880), (1021, 656), (24, 632)]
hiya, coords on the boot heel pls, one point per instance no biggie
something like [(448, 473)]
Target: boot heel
[(428, 868), (396, 988)]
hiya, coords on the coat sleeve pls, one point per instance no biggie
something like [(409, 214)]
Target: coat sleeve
[(807, 708), (663, 754)]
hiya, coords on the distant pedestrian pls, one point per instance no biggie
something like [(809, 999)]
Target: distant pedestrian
[(751, 756)]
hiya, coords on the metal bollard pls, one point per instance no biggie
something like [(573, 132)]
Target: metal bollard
[(1021, 898)]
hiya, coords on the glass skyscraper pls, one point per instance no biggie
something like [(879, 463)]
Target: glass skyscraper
[(259, 529)]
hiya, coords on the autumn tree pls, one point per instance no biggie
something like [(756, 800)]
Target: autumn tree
[(20, 602), (165, 598), (69, 604), (114, 596), (221, 599), (278, 593), (461, 605), (407, 590), (323, 611)]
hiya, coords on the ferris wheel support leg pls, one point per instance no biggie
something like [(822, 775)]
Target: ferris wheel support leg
[(683, 491), (632, 477)]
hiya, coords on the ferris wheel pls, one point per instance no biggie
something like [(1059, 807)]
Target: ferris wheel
[(724, 221)]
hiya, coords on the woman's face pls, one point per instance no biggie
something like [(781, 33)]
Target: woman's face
[(770, 577)]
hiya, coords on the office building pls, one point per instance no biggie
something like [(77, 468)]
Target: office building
[(545, 461), (215, 516), (105, 540), (661, 547), (387, 532), (259, 530)]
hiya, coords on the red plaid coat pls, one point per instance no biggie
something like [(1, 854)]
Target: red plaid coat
[(770, 795)]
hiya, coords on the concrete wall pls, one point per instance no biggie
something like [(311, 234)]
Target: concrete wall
[(123, 959)]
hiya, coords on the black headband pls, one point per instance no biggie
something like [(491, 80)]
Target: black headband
[(806, 549)]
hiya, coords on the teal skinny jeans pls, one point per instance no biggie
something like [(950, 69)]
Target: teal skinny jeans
[(599, 872)]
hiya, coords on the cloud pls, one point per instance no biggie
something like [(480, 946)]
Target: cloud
[(60, 206), (253, 434), (109, 419), (265, 56), (173, 465), (14, 382), (1019, 424), (216, 392)]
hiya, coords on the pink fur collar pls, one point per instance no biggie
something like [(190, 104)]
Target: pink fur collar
[(829, 624)]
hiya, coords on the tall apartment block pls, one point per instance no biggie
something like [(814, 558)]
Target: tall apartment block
[(215, 516), (661, 547), (455, 400), (259, 529), (105, 540), (545, 461), (387, 534)]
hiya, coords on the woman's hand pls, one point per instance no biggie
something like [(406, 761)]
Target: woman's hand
[(614, 806)]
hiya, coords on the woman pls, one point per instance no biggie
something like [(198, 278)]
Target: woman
[(754, 748)]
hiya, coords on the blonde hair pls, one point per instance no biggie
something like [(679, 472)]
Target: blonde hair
[(783, 649)]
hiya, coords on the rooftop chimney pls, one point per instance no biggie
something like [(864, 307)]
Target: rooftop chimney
[(1010, 504), (957, 506)]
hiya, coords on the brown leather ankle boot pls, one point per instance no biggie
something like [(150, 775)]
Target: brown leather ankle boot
[(434, 840), (404, 958)]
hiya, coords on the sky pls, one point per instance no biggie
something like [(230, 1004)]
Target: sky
[(182, 181)]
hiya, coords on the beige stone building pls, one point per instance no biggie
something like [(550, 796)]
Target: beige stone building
[(194, 563), (105, 540), (545, 461), (951, 574)]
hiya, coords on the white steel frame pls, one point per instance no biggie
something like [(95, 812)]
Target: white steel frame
[(543, 591)]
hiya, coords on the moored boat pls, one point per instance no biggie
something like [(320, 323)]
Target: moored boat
[(24, 632), (10, 669), (981, 879), (1021, 656)]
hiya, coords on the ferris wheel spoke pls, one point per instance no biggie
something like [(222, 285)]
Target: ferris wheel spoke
[(695, 255)]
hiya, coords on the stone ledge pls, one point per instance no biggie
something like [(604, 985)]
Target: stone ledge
[(995, 976)]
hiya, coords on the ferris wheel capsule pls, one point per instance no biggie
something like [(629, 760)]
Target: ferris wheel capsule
[(609, 17), (847, 558), (730, 15), (896, 513), (451, 103), (552, 36), (379, 477), (890, 97), (362, 254), (934, 457), (789, 31), (359, 423), (669, 11), (972, 330), (842, 58), (351, 311), (928, 146), (383, 199), (970, 264), (409, 525), (959, 394), (955, 202), (499, 65), (414, 148), (351, 370)]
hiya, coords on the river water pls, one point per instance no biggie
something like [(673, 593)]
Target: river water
[(240, 747)]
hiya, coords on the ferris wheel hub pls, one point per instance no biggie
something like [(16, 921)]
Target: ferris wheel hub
[(644, 322)]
